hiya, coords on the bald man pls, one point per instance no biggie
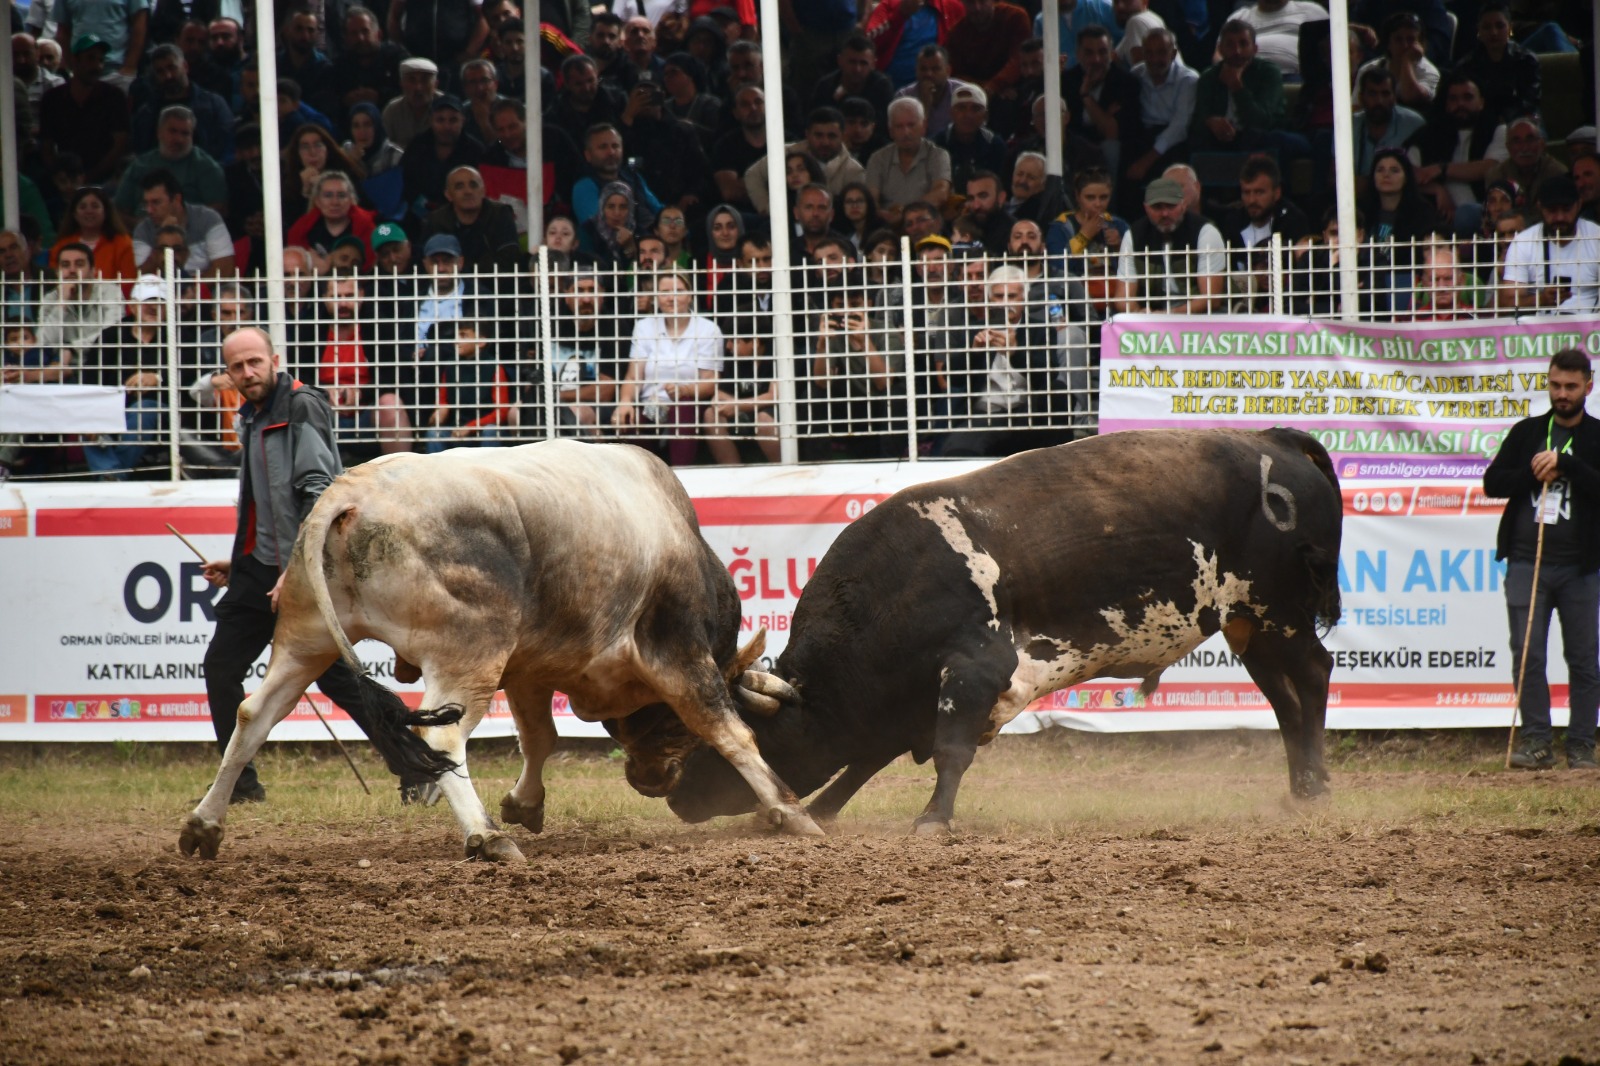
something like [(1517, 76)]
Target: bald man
[(289, 458)]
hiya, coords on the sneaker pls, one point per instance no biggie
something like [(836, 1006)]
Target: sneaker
[(256, 793), (1582, 760), (1533, 756)]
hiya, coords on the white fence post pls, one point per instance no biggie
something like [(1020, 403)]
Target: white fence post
[(169, 295), (909, 342), (547, 343), (1275, 272)]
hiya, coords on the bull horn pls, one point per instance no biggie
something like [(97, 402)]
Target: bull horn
[(769, 685), (747, 655), (758, 703)]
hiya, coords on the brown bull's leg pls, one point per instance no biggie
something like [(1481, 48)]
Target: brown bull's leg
[(972, 686), (536, 735), (831, 800), (700, 696), (288, 676)]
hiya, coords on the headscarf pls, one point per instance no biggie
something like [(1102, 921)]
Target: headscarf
[(738, 220), (608, 236), (380, 136)]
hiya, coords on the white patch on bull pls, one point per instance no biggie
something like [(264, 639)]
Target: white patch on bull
[(1162, 635), (985, 571), (1268, 490)]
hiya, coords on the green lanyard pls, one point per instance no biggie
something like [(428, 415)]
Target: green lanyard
[(1566, 449)]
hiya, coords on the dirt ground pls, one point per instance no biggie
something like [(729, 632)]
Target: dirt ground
[(1284, 938)]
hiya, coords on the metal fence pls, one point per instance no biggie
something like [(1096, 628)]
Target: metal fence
[(902, 353)]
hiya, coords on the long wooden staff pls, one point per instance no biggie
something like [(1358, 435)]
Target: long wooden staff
[(1527, 633)]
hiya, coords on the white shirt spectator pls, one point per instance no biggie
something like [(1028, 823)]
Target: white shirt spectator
[(1532, 262), (74, 323), (1139, 24), (1278, 32), (205, 234), (673, 360), (1169, 105), (1427, 73)]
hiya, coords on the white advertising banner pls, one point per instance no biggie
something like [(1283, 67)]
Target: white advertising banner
[(107, 618), (1411, 414)]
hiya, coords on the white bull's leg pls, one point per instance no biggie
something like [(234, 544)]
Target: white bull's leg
[(287, 678), (703, 703), (536, 735), (484, 839)]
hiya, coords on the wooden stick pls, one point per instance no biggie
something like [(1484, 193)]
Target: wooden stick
[(339, 742), (1527, 633), (187, 542)]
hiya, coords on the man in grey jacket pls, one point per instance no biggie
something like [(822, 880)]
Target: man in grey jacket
[(287, 458)]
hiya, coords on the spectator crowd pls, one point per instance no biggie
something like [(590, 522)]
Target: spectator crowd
[(1198, 164)]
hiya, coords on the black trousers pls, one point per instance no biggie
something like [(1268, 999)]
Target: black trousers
[(244, 629)]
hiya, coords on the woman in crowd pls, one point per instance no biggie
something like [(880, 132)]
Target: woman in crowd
[(673, 365), (369, 145), (724, 231), (800, 168), (561, 237), (90, 220), (1398, 216), (608, 236), (858, 214), (310, 153), (333, 214), (672, 227)]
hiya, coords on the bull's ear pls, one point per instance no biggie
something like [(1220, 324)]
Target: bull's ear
[(747, 655)]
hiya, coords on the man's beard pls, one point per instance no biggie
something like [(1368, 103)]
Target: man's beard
[(1562, 229)]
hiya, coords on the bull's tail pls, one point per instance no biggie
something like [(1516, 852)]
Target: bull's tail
[(1322, 565), (381, 714)]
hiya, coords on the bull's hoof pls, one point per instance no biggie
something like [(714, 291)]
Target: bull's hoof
[(529, 817), (200, 835), (823, 815), (1309, 785), (794, 821), (493, 847), (930, 827)]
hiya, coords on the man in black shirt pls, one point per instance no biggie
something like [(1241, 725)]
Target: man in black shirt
[(1548, 469)]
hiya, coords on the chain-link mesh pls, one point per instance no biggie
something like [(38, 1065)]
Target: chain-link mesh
[(929, 353)]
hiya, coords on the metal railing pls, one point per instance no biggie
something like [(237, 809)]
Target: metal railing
[(904, 355)]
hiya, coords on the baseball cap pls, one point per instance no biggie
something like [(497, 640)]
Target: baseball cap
[(1163, 191), (387, 233), (148, 287), (1583, 135), (416, 64), (1559, 191), (349, 240), (934, 240), (446, 102), (441, 244), (969, 94), (85, 41), (723, 13)]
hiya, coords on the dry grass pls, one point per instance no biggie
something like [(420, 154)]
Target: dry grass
[(1058, 784)]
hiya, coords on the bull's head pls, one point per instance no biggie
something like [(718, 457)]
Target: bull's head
[(707, 784)]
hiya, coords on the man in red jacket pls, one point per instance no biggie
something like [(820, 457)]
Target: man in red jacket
[(899, 29)]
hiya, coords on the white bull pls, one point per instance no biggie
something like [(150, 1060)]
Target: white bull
[(549, 566)]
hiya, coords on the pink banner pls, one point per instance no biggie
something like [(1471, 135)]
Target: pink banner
[(1393, 400)]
